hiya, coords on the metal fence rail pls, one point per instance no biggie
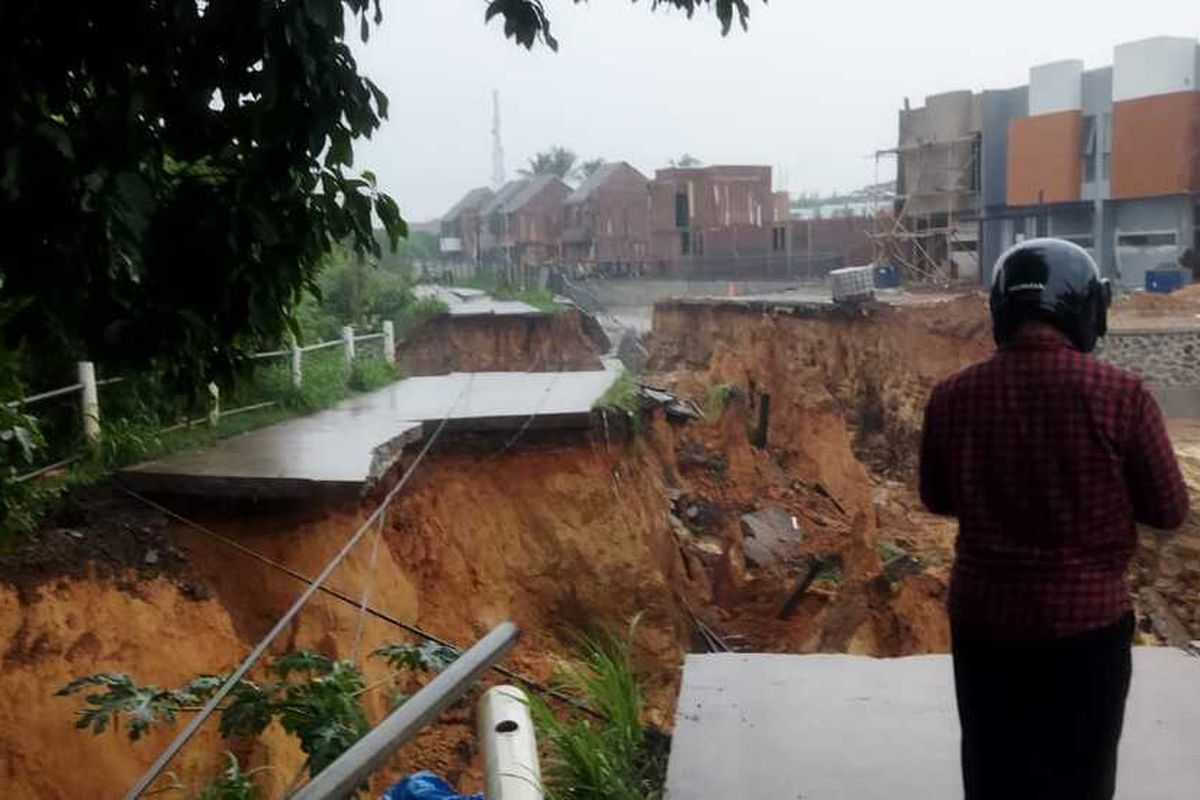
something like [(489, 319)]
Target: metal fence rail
[(87, 386), (37, 398)]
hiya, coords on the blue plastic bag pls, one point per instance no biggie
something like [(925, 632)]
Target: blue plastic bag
[(425, 786)]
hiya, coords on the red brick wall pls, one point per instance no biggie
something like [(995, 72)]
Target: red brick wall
[(845, 236), (622, 220), (720, 197)]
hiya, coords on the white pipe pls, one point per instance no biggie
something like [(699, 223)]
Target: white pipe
[(510, 755)]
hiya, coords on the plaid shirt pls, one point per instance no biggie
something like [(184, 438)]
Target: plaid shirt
[(1047, 457)]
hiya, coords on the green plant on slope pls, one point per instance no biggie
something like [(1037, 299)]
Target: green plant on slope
[(718, 398), (329, 694), (613, 758), (314, 698), (624, 395), (427, 656), (541, 299), (369, 374), (20, 441), (142, 706)]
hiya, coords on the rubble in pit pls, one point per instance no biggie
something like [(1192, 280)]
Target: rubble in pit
[(870, 373), (816, 417), (823, 423), (776, 560), (1166, 568)]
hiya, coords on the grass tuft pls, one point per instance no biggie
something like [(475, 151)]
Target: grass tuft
[(718, 398), (624, 395), (616, 758)]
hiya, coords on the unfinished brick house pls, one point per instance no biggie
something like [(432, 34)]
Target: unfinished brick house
[(816, 246), (711, 217), (606, 222), (461, 226), (523, 222)]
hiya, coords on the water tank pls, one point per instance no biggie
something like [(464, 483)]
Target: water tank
[(887, 276), (1165, 281), (851, 284)]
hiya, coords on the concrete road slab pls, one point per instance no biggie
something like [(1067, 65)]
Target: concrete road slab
[(340, 448), (355, 443), (465, 302), (487, 400), (833, 726)]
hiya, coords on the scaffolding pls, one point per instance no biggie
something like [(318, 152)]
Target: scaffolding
[(925, 242)]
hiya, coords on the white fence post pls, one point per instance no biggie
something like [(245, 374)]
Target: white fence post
[(89, 403), (389, 342), (297, 370), (348, 343), (214, 407)]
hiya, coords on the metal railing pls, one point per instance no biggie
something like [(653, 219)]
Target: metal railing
[(87, 387), (349, 771)]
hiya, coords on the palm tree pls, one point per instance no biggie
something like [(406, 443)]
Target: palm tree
[(589, 167), (686, 160), (556, 161)]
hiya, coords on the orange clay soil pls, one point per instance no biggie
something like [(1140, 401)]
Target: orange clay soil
[(558, 532)]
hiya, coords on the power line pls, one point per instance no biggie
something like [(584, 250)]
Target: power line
[(349, 600)]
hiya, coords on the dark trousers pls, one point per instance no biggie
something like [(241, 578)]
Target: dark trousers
[(1042, 718)]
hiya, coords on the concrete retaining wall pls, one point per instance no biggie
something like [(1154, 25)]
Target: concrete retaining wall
[(1162, 357)]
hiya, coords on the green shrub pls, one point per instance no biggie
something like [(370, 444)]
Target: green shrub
[(417, 313), (314, 698), (612, 758), (370, 374), (831, 573)]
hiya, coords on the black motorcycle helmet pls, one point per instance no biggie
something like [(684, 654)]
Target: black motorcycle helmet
[(1054, 281)]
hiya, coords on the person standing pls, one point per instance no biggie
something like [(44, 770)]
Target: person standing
[(1047, 457)]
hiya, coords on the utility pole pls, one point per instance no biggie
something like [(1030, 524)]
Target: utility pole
[(497, 146)]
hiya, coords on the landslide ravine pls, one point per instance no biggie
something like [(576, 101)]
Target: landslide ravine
[(558, 533)]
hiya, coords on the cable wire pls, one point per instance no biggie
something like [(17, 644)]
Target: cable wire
[(206, 711), (366, 593), (337, 594)]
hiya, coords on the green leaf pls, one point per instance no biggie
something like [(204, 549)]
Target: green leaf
[(389, 214), (303, 661), (144, 706), (428, 656), (340, 151), (249, 710)]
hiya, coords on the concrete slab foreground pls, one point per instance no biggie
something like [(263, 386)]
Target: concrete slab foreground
[(834, 726)]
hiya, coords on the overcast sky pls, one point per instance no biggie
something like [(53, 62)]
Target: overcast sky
[(812, 88)]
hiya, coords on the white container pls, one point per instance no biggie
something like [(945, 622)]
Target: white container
[(852, 283), (510, 757)]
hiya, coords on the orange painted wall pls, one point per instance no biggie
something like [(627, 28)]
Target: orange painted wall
[(1156, 145), (1044, 155)]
